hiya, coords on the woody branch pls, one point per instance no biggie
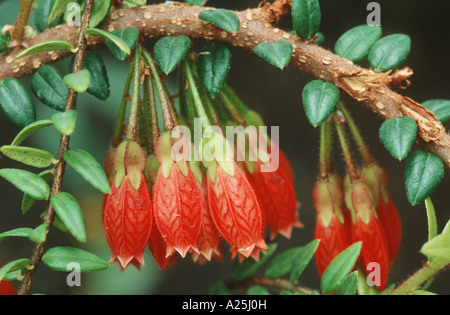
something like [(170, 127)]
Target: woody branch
[(375, 90)]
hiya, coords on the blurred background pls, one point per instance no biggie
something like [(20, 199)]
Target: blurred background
[(276, 95)]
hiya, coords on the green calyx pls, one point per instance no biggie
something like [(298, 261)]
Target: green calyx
[(216, 151), (358, 199), (375, 178), (129, 159), (328, 201)]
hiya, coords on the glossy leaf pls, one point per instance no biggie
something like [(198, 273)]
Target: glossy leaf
[(423, 173), (225, 19), (60, 258), (438, 248), (339, 268), (38, 234), (50, 45), (27, 200), (440, 108), (277, 53), (12, 266), (319, 101), (111, 37), (169, 51), (245, 269), (389, 52), (398, 135), (47, 84), (27, 182), (65, 122), (99, 84), (29, 130), (69, 211), (349, 285), (19, 232), (99, 12), (213, 65), (58, 9), (129, 36), (356, 42), (78, 81), (303, 259), (28, 155), (88, 167), (16, 102), (306, 17)]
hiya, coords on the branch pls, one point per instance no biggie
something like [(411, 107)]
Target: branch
[(39, 248), (370, 88)]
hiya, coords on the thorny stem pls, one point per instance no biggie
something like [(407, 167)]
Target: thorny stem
[(39, 248), (132, 129), (22, 21), (349, 162)]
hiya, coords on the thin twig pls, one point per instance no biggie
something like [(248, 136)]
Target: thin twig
[(39, 248)]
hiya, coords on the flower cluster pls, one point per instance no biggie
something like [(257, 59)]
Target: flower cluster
[(164, 199)]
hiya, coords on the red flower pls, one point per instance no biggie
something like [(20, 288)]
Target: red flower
[(6, 287), (127, 210), (158, 248), (177, 200)]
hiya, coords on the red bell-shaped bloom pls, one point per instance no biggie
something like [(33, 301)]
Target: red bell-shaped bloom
[(158, 249), (127, 210), (177, 200)]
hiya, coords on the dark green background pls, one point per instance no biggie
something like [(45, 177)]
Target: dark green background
[(276, 96)]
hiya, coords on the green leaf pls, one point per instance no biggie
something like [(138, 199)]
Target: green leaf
[(389, 52), (28, 156), (431, 217), (348, 285), (42, 14), (27, 200), (27, 182), (398, 135), (88, 167), (78, 81), (38, 234), (219, 288), (422, 292), (339, 268), (169, 51), (245, 269), (213, 65), (306, 17), (356, 42), (257, 290), (303, 259), (438, 248), (58, 258), (113, 38), (4, 39), (423, 173), (29, 130), (129, 36), (58, 9), (225, 19), (16, 102), (69, 211), (65, 122), (99, 11), (50, 45), (277, 53), (199, 3), (363, 287), (13, 266), (282, 263), (47, 83), (319, 101), (440, 108), (20, 232)]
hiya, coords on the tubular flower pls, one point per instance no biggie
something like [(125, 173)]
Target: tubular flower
[(332, 226), (177, 199), (127, 210), (365, 228), (232, 201)]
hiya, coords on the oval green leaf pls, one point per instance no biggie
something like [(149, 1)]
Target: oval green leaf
[(113, 38), (16, 102), (47, 83), (277, 53), (42, 14), (88, 167), (303, 259), (225, 19), (423, 173), (19, 232), (99, 11), (30, 129), (13, 266), (69, 211), (50, 45), (282, 263), (78, 81), (438, 248), (39, 234), (240, 271), (57, 10), (389, 52), (306, 17), (257, 290), (27, 182), (129, 36), (349, 285), (440, 108), (60, 258), (398, 135), (169, 51), (27, 200), (339, 268), (65, 122), (319, 101), (356, 42), (28, 155), (213, 65)]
